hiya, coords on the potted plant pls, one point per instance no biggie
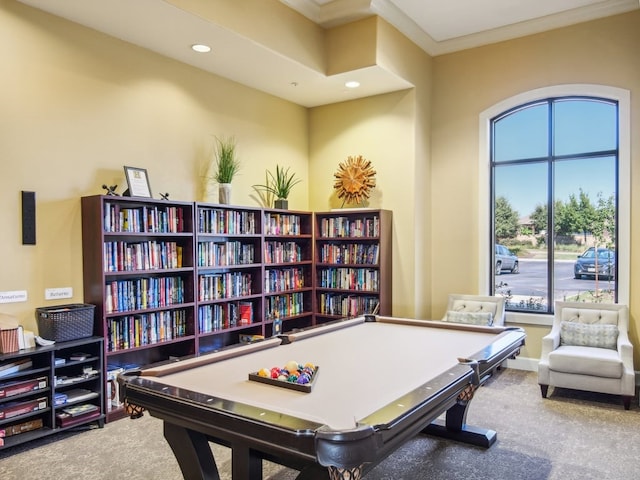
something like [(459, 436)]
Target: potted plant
[(226, 167), (279, 185)]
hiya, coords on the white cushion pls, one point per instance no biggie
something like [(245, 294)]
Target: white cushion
[(474, 318), (589, 334), (599, 362)]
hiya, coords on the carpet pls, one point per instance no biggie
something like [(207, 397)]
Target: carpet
[(572, 435)]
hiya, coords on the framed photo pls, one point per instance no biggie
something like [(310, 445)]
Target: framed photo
[(138, 182)]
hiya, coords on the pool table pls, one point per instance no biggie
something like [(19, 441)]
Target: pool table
[(380, 381)]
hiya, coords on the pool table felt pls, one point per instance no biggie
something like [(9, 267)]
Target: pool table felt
[(364, 366)]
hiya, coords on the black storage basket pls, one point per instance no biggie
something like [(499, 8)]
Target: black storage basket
[(65, 322)]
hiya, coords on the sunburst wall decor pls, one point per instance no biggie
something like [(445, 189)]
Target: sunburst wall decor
[(354, 179)]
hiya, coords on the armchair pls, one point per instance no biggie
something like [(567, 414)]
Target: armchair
[(475, 306), (588, 348)]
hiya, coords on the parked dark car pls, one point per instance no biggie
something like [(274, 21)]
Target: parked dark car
[(587, 264), (506, 260)]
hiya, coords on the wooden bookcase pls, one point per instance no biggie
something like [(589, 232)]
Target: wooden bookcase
[(353, 263), (138, 270), (33, 398), (174, 279), (288, 269), (229, 274)]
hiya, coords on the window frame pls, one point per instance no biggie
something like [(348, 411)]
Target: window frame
[(623, 97)]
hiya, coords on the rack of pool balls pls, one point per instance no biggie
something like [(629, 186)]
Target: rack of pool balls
[(293, 375)]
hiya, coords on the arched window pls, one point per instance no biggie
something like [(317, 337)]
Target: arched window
[(557, 223)]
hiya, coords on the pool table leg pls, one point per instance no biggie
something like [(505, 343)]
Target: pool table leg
[(245, 463), (192, 451), (455, 425)]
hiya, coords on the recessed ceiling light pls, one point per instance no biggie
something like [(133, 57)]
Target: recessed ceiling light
[(352, 84), (200, 48)]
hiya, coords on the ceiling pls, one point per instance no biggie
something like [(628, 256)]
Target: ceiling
[(437, 26)]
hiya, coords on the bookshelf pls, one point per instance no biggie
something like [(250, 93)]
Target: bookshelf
[(288, 267), (138, 270), (35, 396), (228, 274), (174, 279), (353, 263)]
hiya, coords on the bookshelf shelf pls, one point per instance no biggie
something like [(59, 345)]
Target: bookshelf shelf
[(352, 269)]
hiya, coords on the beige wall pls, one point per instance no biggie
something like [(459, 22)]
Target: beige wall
[(380, 129), (77, 105), (466, 83), (392, 131)]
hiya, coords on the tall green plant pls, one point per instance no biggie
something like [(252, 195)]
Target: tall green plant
[(280, 183), (227, 164)]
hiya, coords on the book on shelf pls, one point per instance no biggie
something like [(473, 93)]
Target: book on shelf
[(14, 409), (79, 394), (19, 428), (15, 366), (78, 356), (246, 313), (19, 387), (76, 410), (64, 419)]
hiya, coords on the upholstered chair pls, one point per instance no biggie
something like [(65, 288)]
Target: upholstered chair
[(475, 309), (588, 349)]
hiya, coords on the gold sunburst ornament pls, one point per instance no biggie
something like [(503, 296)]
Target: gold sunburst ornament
[(354, 179)]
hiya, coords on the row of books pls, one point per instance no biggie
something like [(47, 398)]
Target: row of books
[(138, 330), (147, 219), (350, 253), (228, 222), (282, 252), (349, 279), (150, 255), (346, 305), (222, 254), (285, 305), (345, 227), (282, 224), (216, 317), (143, 293), (283, 279), (219, 286)]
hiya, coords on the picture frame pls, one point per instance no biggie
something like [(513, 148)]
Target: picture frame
[(137, 182)]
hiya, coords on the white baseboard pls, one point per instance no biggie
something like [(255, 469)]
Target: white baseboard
[(523, 363)]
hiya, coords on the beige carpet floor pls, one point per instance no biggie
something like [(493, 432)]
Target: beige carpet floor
[(569, 436)]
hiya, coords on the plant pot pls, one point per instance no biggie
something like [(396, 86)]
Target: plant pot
[(224, 193), (281, 203)]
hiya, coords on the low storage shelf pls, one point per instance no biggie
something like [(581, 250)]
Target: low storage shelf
[(45, 390)]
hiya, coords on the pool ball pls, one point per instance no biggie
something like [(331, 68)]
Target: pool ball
[(291, 366)]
